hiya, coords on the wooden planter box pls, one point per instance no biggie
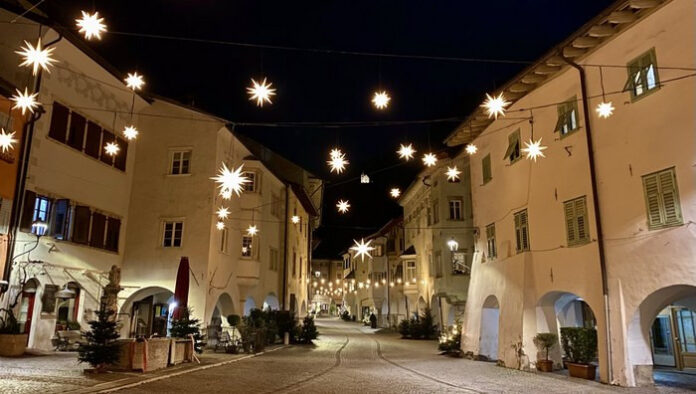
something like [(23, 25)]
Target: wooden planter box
[(583, 371), (544, 365), (13, 345)]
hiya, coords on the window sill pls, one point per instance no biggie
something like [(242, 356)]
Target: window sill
[(665, 226), (178, 175), (578, 243), (571, 132), (63, 241), (635, 99)]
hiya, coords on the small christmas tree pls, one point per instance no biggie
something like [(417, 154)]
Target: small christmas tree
[(308, 331), (101, 348), (185, 325)]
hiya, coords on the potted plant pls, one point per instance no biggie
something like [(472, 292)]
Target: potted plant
[(13, 342), (545, 341), (580, 345)]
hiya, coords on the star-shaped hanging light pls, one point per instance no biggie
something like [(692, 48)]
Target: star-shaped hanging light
[(604, 109), (223, 213), (295, 219), (429, 159), (252, 230), (111, 148), (533, 149), (471, 149), (134, 81), (338, 162), (36, 57), (495, 105), (6, 140), (25, 101), (381, 99), (226, 194), (130, 132), (261, 92), (362, 249), (342, 206), (335, 152), (91, 25), (453, 174), (406, 152), (220, 225), (395, 192), (230, 181)]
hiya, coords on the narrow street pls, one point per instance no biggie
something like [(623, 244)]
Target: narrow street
[(350, 358)]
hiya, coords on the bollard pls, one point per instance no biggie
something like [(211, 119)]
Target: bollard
[(286, 338)]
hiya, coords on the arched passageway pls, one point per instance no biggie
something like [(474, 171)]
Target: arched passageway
[(249, 304), (490, 323), (150, 311), (271, 302)]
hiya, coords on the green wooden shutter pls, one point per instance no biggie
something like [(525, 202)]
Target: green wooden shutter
[(580, 207), (670, 198), (652, 200), (486, 168), (525, 230), (570, 222), (518, 240)]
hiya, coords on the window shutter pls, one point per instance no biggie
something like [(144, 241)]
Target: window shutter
[(570, 222), (652, 199), (81, 224), (486, 168), (59, 122), (93, 140), (113, 229), (525, 230), (120, 159), (27, 211), (98, 230), (561, 118), (107, 137), (59, 226), (5, 213), (77, 131), (672, 211), (580, 218), (511, 146)]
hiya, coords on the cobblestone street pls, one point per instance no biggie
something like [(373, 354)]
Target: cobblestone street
[(346, 358)]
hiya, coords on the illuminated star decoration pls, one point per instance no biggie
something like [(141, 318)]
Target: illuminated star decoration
[(406, 152), (338, 162), (495, 105), (295, 219), (25, 101), (533, 149), (261, 92), (429, 159), (342, 206), (252, 230), (453, 174), (223, 213), (226, 194), (220, 225), (605, 110), (111, 148), (362, 249), (231, 181), (395, 192), (471, 149), (381, 99), (130, 132), (91, 25), (335, 153), (36, 57), (134, 81), (6, 140)]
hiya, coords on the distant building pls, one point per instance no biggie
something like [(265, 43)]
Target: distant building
[(598, 233), (326, 290)]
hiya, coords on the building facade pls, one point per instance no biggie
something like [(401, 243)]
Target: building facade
[(598, 233), (326, 292)]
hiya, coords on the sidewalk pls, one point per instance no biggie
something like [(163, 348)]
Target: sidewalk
[(59, 372)]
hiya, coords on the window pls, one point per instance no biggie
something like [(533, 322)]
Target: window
[(642, 75), (70, 128), (96, 238), (113, 228), (173, 232), (247, 245), (224, 235), (180, 164), (455, 209), (576, 221), (42, 206), (80, 232), (436, 212), (294, 264), (513, 151), (490, 241), (521, 231), (251, 185), (411, 271), (273, 259), (486, 169), (438, 264), (662, 199), (379, 250), (567, 117)]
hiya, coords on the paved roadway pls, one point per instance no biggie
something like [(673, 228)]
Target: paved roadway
[(349, 358)]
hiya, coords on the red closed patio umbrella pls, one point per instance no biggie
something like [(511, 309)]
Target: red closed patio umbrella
[(181, 289)]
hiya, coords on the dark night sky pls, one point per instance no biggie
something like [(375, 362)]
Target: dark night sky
[(321, 87)]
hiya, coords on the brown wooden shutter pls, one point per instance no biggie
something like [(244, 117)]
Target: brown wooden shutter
[(93, 141), (120, 159), (77, 131), (96, 238), (27, 211), (59, 122), (81, 224), (113, 229), (107, 137)]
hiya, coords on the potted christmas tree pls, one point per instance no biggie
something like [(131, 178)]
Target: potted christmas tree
[(580, 346), (545, 341), (101, 348)]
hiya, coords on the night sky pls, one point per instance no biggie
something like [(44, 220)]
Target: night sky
[(317, 87)]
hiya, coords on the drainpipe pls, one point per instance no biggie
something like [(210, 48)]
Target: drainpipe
[(20, 181), (595, 197), (285, 247)]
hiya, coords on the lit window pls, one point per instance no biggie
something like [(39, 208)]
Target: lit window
[(42, 207), (411, 271), (173, 232), (181, 161), (247, 245), (567, 117), (251, 185), (642, 75)]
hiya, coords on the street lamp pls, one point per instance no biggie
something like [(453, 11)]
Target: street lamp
[(453, 245)]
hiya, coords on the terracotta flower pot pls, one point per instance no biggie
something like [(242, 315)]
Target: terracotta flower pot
[(13, 345), (544, 365), (583, 371)]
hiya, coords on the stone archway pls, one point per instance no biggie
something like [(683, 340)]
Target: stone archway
[(490, 326), (149, 311), (249, 304), (271, 302)]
